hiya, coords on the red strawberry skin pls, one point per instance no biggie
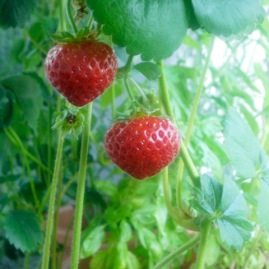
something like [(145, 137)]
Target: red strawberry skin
[(143, 146), (81, 71)]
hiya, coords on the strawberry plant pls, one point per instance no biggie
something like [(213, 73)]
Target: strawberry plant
[(95, 94)]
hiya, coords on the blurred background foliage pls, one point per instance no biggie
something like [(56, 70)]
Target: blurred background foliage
[(126, 221)]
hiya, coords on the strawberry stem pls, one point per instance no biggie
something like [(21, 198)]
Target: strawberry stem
[(164, 93), (81, 188), (129, 91), (204, 235), (185, 247), (144, 97), (191, 121), (71, 19), (50, 219), (164, 98)]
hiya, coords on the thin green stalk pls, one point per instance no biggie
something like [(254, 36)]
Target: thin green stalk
[(31, 180), (71, 19), (201, 255), (61, 15), (69, 183), (49, 140), (26, 261), (50, 219), (17, 142), (36, 44), (191, 122), (139, 89), (15, 138), (56, 222), (44, 201), (129, 91), (81, 189), (193, 173), (185, 247), (198, 94), (179, 216), (113, 103), (164, 97), (164, 93), (64, 244), (127, 67), (166, 193)]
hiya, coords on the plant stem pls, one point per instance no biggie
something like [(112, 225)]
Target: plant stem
[(178, 215), (188, 245), (201, 255), (164, 93), (113, 104), (13, 137), (191, 123), (50, 219), (81, 189), (26, 261), (129, 91), (193, 173), (62, 25), (71, 19), (56, 222), (164, 97), (198, 94)]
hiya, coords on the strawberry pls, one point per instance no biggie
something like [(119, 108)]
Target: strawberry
[(142, 146), (81, 71)]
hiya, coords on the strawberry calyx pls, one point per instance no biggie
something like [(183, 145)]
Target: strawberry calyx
[(70, 121), (83, 34)]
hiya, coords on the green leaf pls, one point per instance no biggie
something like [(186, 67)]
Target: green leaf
[(125, 231), (263, 208), (229, 17), (9, 51), (92, 242), (208, 197), (149, 241), (235, 232), (40, 30), (103, 259), (27, 91), (226, 205), (241, 146), (23, 230), (6, 107), (16, 12), (8, 178), (150, 70), (151, 28)]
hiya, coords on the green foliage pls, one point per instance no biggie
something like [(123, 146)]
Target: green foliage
[(92, 241), (23, 230), (150, 70), (6, 108), (144, 27), (228, 17), (225, 205), (127, 223), (15, 13), (28, 92), (241, 146)]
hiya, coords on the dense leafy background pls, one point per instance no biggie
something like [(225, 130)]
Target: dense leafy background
[(129, 218)]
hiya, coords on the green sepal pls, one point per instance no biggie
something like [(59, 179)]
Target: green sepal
[(70, 121), (82, 34)]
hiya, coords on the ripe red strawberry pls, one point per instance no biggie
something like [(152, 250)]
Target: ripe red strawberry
[(143, 146), (81, 71)]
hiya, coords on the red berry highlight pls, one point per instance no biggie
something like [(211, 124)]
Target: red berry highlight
[(81, 71), (143, 146)]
